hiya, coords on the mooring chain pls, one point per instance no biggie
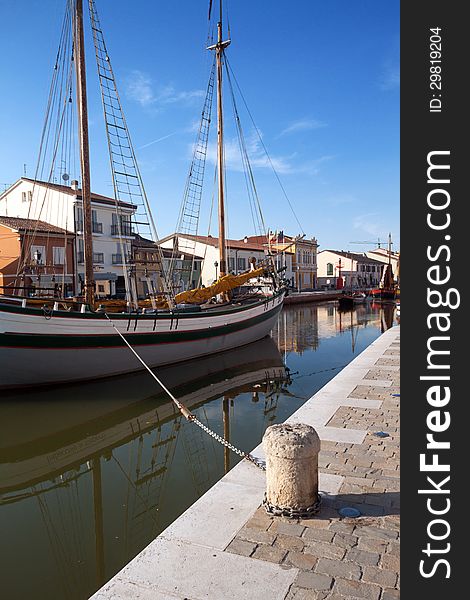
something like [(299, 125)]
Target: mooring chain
[(292, 513), (186, 412), (249, 457)]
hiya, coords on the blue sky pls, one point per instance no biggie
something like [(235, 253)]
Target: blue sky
[(321, 80)]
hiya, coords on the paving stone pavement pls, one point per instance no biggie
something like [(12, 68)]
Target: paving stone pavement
[(344, 558)]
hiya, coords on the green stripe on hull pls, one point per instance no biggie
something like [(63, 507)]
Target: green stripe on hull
[(13, 340)]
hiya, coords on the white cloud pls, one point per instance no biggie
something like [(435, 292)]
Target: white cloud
[(369, 223), (302, 125), (141, 88), (170, 96), (390, 79), (256, 154), (283, 165)]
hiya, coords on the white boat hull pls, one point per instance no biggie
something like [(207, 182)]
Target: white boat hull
[(35, 350)]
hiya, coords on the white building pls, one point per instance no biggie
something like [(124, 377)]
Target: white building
[(382, 255), (62, 206), (356, 270), (239, 254)]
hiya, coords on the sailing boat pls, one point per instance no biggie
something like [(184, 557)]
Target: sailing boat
[(386, 290), (58, 340)]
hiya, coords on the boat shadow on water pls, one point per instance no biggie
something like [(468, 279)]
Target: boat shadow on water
[(99, 416)]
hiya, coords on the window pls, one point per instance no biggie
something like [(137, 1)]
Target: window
[(79, 221), (368, 268), (121, 225), (329, 268), (58, 255), (38, 253), (30, 196), (241, 264), (101, 288), (95, 226), (231, 264), (299, 257)]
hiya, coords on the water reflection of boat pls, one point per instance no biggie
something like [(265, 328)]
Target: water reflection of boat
[(34, 449), (386, 311)]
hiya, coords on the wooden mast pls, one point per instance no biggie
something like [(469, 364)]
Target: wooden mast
[(219, 50), (89, 292)]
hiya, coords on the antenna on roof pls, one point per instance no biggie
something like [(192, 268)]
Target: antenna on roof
[(24, 169)]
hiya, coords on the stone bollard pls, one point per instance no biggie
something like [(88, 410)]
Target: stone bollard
[(291, 470)]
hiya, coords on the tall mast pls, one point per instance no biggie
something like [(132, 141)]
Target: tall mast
[(219, 51), (79, 44)]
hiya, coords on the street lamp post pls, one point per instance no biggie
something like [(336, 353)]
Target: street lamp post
[(298, 279), (37, 260), (216, 264)]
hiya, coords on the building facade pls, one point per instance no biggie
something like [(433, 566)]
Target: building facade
[(147, 256), (383, 256), (62, 206), (36, 258), (350, 270), (240, 253), (299, 256)]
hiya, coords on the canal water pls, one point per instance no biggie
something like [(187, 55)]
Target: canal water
[(91, 473)]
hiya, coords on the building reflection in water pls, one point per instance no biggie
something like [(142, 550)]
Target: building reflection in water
[(301, 327), (87, 482)]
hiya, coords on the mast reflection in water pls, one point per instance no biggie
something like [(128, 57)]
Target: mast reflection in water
[(91, 473)]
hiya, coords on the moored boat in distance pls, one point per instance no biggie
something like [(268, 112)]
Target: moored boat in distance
[(387, 290), (348, 300)]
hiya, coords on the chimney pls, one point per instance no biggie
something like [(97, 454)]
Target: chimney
[(245, 240), (74, 184)]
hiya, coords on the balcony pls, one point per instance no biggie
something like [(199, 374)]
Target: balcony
[(98, 258), (126, 229), (95, 227), (116, 259)]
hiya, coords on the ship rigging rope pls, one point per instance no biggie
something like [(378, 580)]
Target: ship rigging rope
[(255, 204), (228, 66), (56, 105), (186, 412)]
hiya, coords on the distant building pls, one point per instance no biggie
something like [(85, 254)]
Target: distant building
[(356, 270), (186, 272), (382, 255), (239, 253), (36, 258), (301, 269), (62, 206)]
